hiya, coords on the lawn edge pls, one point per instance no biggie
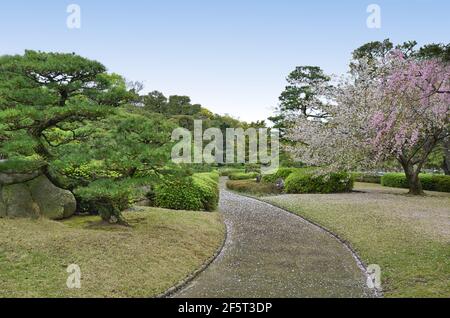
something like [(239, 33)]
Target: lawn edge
[(188, 279), (378, 292)]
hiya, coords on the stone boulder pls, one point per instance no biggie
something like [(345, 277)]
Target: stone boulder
[(8, 177), (35, 198), (2, 206), (19, 202)]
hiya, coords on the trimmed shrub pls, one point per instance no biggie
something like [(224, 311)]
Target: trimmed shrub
[(208, 186), (243, 176), (252, 187), (281, 173), (106, 198), (284, 173), (252, 168), (430, 182), (366, 177), (199, 192), (227, 171), (309, 182)]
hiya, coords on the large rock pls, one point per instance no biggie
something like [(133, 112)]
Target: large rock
[(18, 201), (9, 177), (54, 203), (2, 205), (36, 198)]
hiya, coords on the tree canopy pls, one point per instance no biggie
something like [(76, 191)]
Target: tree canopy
[(394, 105)]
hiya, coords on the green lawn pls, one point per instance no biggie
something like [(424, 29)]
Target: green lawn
[(409, 237), (158, 250)]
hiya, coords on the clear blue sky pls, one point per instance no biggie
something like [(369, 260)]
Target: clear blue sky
[(232, 56)]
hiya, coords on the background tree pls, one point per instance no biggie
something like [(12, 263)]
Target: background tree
[(303, 96), (155, 102), (376, 54), (441, 52), (399, 112)]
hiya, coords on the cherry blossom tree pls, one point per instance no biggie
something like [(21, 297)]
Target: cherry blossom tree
[(399, 110)]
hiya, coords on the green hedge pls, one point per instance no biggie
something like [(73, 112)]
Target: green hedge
[(243, 176), (252, 168), (227, 171), (199, 192), (252, 187), (281, 173), (366, 177), (430, 182), (309, 182)]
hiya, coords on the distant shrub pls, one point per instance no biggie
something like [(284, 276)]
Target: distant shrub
[(104, 197), (281, 173), (227, 171), (243, 176), (430, 182), (366, 177), (195, 193), (284, 173), (309, 182), (252, 168), (252, 187)]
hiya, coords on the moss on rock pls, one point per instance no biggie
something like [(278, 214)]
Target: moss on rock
[(54, 203), (36, 198), (18, 201)]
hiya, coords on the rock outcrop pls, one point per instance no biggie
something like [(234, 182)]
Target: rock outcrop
[(34, 196)]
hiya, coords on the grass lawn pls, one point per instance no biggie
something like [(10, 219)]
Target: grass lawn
[(158, 250), (409, 237)]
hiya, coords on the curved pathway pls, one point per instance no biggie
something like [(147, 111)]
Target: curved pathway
[(272, 253)]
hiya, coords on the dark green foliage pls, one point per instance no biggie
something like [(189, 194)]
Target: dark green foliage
[(21, 165), (366, 177), (430, 182), (106, 198), (175, 105), (252, 187), (63, 114), (243, 176), (194, 193), (299, 95), (310, 182), (46, 101)]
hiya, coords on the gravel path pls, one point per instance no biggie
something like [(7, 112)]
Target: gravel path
[(272, 253)]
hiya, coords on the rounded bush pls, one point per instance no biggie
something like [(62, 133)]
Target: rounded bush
[(243, 176), (309, 182), (226, 172), (282, 173), (252, 187), (430, 182), (208, 186), (196, 193)]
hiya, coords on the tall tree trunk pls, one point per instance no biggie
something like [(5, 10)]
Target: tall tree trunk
[(53, 178), (415, 186), (412, 176), (446, 163)]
